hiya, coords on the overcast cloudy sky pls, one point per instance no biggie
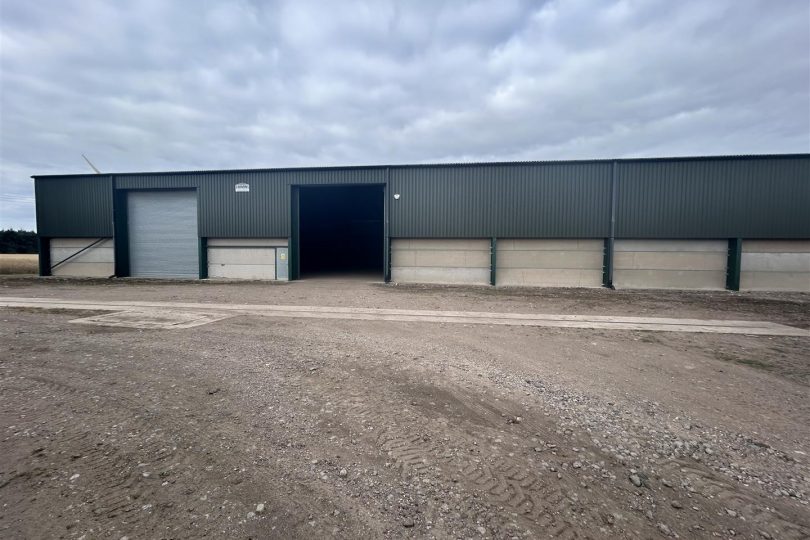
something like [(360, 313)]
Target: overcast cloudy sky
[(156, 84)]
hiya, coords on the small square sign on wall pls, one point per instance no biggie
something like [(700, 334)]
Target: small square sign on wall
[(242, 187)]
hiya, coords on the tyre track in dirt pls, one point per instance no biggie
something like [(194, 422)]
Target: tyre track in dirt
[(109, 484), (428, 427), (734, 504), (771, 517), (551, 499), (261, 404), (457, 455), (132, 469), (439, 438)]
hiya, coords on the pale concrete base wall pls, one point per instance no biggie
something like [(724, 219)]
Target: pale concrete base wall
[(243, 258), (550, 263), (98, 261), (670, 264), (449, 261), (775, 265)]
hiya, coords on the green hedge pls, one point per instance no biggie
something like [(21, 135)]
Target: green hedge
[(12, 241)]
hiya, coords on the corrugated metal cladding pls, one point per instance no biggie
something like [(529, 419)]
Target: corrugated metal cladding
[(80, 206), (162, 230), (264, 211), (516, 200), (714, 197), (745, 198)]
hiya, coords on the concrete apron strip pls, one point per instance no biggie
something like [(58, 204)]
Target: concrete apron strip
[(117, 305), (373, 314)]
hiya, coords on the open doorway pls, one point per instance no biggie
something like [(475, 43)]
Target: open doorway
[(341, 231)]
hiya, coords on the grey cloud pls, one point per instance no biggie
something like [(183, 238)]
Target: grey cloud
[(153, 85)]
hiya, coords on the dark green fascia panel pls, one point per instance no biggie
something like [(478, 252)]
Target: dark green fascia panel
[(121, 233), (44, 256), (734, 264), (203, 246)]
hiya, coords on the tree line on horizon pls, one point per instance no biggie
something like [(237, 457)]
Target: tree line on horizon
[(18, 241)]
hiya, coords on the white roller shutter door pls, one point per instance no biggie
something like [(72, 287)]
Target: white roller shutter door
[(163, 240)]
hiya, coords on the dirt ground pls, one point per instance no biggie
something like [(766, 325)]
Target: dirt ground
[(289, 428)]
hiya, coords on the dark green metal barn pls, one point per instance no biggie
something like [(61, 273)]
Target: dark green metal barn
[(704, 222)]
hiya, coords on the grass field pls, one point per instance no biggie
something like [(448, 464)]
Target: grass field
[(18, 263)]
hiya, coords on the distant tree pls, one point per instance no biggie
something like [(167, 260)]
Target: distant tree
[(12, 241)]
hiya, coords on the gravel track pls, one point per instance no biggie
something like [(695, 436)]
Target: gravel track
[(344, 428)]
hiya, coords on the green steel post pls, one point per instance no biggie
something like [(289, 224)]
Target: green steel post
[(386, 237), (493, 260), (203, 257), (607, 264), (44, 247), (293, 252), (387, 262), (733, 265), (121, 233)]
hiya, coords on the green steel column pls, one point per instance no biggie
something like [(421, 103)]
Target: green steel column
[(293, 252), (607, 264), (44, 256), (387, 262), (493, 260), (734, 263), (386, 233), (121, 233), (203, 258)]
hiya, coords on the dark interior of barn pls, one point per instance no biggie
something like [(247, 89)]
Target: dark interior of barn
[(341, 231)]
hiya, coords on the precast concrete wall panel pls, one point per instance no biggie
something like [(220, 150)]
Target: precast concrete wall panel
[(775, 265), (97, 261), (243, 258), (550, 262), (449, 261), (670, 264)]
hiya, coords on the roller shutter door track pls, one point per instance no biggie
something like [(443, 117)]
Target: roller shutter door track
[(163, 240)]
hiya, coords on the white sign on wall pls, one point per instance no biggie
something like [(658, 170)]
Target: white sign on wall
[(242, 187)]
